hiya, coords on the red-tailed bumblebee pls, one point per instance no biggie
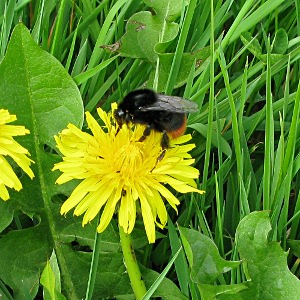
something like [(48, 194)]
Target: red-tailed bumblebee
[(161, 113)]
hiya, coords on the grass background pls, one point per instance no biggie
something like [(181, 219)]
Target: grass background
[(244, 77)]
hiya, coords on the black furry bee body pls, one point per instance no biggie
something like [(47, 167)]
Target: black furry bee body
[(161, 113)]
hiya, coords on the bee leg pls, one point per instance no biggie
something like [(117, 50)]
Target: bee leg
[(118, 129), (146, 133), (165, 144), (165, 141), (161, 156)]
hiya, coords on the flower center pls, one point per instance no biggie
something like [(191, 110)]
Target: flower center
[(128, 158)]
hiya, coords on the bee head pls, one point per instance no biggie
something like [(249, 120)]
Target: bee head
[(122, 116), (132, 104)]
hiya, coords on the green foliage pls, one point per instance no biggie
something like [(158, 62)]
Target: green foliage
[(266, 261), (152, 34), (36, 88), (203, 256), (45, 98), (267, 274), (144, 30), (50, 279), (239, 61), (279, 46)]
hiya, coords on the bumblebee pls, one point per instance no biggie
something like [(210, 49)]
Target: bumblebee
[(162, 113)]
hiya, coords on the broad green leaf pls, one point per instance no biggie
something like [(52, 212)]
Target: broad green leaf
[(280, 43), (295, 247), (37, 89), (188, 60), (26, 251), (212, 292), (145, 30), (266, 261), (48, 280), (203, 256), (274, 58), (149, 34), (55, 268), (112, 279), (6, 215)]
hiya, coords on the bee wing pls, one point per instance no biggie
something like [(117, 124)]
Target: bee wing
[(172, 104)]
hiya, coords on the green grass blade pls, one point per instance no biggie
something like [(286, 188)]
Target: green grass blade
[(211, 98), (37, 29), (264, 10), (159, 279), (71, 51), (180, 47), (269, 139), (181, 266), (235, 25), (56, 46), (80, 61), (83, 77), (6, 25)]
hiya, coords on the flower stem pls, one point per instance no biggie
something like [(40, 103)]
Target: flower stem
[(94, 266), (132, 267)]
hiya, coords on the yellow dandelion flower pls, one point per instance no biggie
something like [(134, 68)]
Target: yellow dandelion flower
[(10, 148), (118, 171)]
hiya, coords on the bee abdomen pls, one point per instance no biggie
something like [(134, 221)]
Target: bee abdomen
[(177, 125)]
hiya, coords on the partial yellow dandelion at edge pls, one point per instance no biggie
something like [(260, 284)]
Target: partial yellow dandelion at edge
[(10, 148), (117, 170)]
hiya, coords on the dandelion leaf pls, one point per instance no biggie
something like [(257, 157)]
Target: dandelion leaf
[(148, 35), (266, 261), (268, 276), (203, 256), (294, 246), (281, 42), (147, 29), (36, 88), (50, 280)]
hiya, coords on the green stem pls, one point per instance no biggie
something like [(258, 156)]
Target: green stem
[(94, 266), (131, 264)]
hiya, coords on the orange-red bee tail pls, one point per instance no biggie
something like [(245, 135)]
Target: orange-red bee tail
[(180, 130)]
